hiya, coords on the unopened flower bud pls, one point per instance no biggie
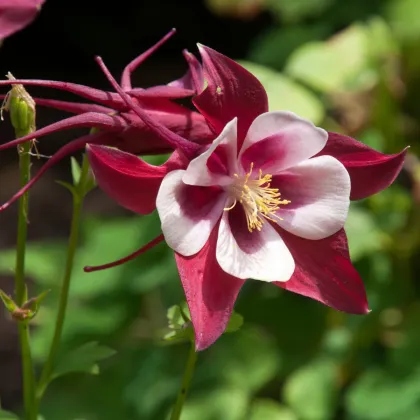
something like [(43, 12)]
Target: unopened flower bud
[(21, 107), (27, 311)]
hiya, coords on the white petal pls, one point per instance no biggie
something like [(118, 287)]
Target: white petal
[(187, 213), (319, 191), (198, 173), (292, 140), (258, 255)]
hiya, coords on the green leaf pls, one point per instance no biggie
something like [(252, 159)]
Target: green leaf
[(382, 43), (273, 47), (180, 324), (285, 94), (262, 409), (373, 137), (235, 322), (156, 160), (179, 319), (311, 391), (179, 336), (83, 359), (185, 311), (68, 186), (178, 316), (90, 183), (377, 395), (8, 302), (296, 10), (108, 240), (333, 65), (337, 343), (7, 415), (242, 365), (43, 262), (226, 404), (392, 209), (76, 170), (84, 319), (158, 267), (403, 17), (363, 235), (405, 355), (158, 376), (175, 319)]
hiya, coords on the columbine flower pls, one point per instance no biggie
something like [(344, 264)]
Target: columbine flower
[(17, 14), (117, 125), (238, 213), (273, 183), (267, 200)]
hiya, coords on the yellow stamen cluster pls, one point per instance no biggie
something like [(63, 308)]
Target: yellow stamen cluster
[(260, 202)]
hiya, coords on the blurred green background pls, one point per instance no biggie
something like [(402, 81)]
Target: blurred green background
[(352, 67)]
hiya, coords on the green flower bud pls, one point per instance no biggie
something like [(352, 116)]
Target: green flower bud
[(28, 310), (21, 107)]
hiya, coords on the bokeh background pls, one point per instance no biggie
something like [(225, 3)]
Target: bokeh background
[(352, 67)]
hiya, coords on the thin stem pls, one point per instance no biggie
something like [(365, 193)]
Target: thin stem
[(20, 287), (25, 165), (28, 372), (186, 381), (78, 197)]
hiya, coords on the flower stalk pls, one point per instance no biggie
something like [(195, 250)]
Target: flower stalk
[(185, 384), (81, 188), (21, 108), (20, 286)]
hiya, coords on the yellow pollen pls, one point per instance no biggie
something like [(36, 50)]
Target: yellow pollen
[(260, 202)]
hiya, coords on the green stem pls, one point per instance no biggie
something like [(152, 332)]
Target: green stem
[(25, 165), (20, 287), (28, 372), (186, 381), (78, 197)]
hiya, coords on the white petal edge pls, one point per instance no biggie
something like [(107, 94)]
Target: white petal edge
[(304, 138), (184, 234), (272, 261), (325, 182), (197, 172)]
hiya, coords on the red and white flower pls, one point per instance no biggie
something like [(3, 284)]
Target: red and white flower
[(266, 200), (273, 180)]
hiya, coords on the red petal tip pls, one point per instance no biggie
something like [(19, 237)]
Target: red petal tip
[(370, 171)]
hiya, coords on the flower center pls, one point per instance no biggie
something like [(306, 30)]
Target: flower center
[(259, 201)]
